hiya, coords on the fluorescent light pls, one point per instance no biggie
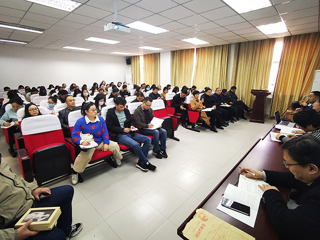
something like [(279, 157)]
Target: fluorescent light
[(244, 6), (101, 40), (121, 53), (279, 27), (147, 27), (19, 27), (151, 48), (76, 48), (12, 41), (195, 41), (65, 5)]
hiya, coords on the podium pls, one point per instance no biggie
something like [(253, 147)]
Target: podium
[(258, 105)]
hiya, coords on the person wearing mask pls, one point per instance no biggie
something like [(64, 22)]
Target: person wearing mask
[(63, 115), (228, 112), (115, 93), (212, 118), (238, 108), (139, 97), (124, 91), (52, 102), (62, 95), (301, 157), (100, 102), (143, 115), (31, 110), (147, 88), (85, 95), (91, 125), (121, 123), (232, 95), (309, 123), (10, 117), (155, 95), (181, 107)]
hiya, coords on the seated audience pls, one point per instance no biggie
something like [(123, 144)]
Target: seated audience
[(119, 84), (121, 123), (159, 86), (163, 95), (76, 92), (238, 108), (7, 119), (31, 110), (212, 119), (236, 100), (100, 102), (6, 89), (52, 102), (312, 98), (147, 88), (139, 98), (11, 95), (316, 105), (138, 90), (180, 106), (85, 94), (93, 91), (62, 95), (18, 196), (143, 115), (43, 91), (155, 95), (301, 157), (124, 91), (92, 127), (115, 93), (228, 112), (175, 90), (63, 115), (32, 92), (309, 123), (143, 86)]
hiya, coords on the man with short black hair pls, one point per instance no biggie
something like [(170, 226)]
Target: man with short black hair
[(236, 100), (312, 98), (63, 115), (6, 89), (139, 98), (120, 122), (71, 90), (143, 115), (124, 91), (115, 93), (62, 95), (180, 106), (238, 108), (301, 157), (155, 95), (228, 111)]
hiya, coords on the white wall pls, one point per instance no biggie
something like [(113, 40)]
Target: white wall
[(37, 67), (165, 68)]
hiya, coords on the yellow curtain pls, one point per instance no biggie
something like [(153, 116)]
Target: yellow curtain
[(151, 72), (182, 66), (212, 67), (251, 68), (135, 69), (299, 60)]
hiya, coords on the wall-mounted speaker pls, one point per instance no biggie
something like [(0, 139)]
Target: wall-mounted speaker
[(128, 60)]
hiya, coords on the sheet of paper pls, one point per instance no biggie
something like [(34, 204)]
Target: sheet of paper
[(278, 126), (225, 105), (236, 194), (250, 185), (273, 136), (92, 144), (288, 130), (156, 122), (205, 226), (207, 109), (11, 124)]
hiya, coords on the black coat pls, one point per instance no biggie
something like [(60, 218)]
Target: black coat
[(209, 101), (113, 122), (177, 101), (302, 222)]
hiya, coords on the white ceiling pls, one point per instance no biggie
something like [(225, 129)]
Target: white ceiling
[(209, 20)]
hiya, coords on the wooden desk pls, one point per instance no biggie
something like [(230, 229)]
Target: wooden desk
[(265, 154)]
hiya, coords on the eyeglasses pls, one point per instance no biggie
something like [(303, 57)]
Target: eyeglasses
[(286, 165), (33, 109)]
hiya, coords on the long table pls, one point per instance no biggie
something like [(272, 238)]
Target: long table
[(264, 154)]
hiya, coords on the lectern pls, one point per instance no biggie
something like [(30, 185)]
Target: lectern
[(258, 105)]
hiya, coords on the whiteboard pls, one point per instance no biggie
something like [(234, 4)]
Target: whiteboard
[(316, 81)]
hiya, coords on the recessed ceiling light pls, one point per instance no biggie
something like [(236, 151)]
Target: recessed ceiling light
[(195, 41), (65, 5), (12, 41), (244, 6), (121, 53), (279, 27), (76, 48), (101, 40), (147, 27), (151, 48), (20, 27)]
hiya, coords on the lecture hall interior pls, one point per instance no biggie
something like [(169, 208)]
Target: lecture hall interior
[(270, 45)]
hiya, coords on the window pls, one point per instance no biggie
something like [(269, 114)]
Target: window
[(275, 63)]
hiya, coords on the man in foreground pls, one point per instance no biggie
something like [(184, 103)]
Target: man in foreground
[(302, 158)]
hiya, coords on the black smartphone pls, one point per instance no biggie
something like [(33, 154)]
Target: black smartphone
[(43, 195), (235, 206)]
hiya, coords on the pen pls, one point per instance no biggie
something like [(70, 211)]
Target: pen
[(249, 172)]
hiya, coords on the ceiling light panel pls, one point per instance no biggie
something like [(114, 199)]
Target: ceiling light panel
[(146, 27), (121, 53), (101, 40), (195, 41), (244, 6), (76, 48), (279, 27), (12, 41), (65, 5), (151, 48), (20, 27)]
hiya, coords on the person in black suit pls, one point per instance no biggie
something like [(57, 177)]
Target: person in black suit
[(238, 108), (228, 111), (302, 158), (180, 106)]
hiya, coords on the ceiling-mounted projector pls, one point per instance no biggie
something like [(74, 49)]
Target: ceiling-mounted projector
[(117, 27)]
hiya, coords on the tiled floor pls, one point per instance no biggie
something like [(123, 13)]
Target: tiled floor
[(128, 204)]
